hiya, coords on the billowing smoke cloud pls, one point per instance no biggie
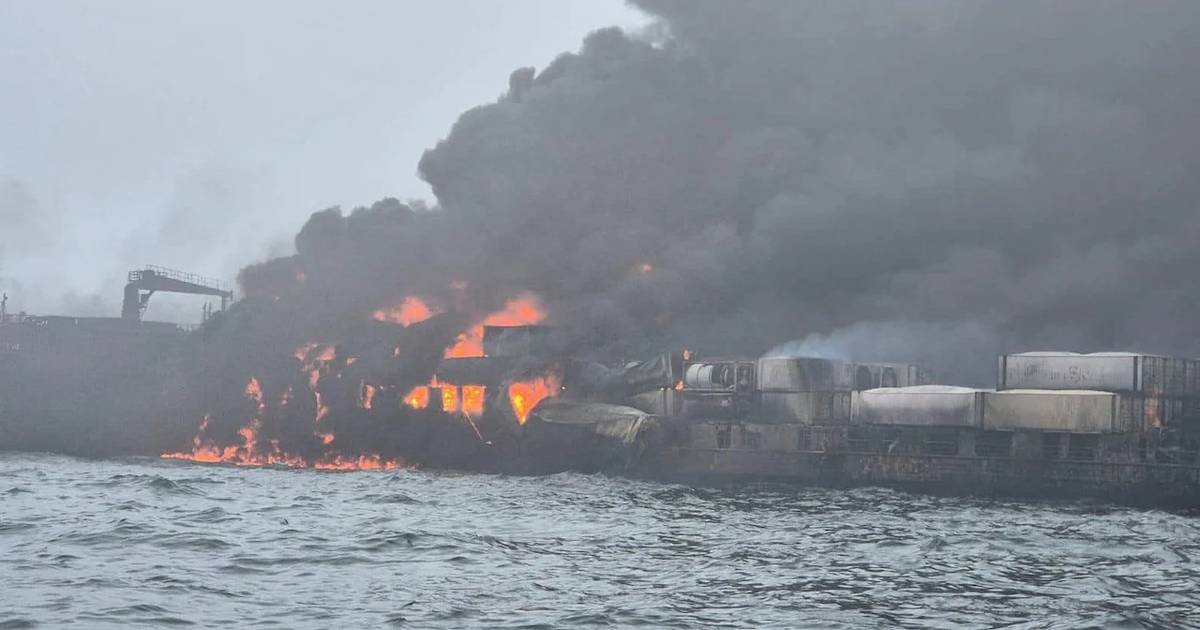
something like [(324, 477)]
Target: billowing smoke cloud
[(934, 181)]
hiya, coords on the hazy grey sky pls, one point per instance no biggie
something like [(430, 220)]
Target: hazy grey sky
[(200, 135)]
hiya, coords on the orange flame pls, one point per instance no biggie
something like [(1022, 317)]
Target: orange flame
[(467, 344), (253, 390), (362, 462), (525, 395), (308, 354), (522, 311), (322, 408), (418, 398), (449, 398), (645, 267), (249, 455), (251, 451), (302, 352), (314, 377), (472, 399), (314, 355), (412, 310)]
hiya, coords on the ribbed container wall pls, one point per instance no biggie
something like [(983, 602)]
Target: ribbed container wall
[(803, 374), (830, 407), (1143, 413), (1164, 376), (919, 406), (1103, 371), (1060, 411)]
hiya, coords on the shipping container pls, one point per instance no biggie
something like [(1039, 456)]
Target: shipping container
[(828, 407), (924, 405), (1103, 371), (806, 374), (1066, 411)]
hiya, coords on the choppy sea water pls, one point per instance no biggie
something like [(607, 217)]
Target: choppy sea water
[(152, 543)]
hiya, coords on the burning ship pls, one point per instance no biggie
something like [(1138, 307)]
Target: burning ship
[(414, 385), (506, 397)]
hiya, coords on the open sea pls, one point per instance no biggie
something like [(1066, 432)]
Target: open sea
[(142, 542)]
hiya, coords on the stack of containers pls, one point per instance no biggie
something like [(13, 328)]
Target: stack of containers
[(1102, 392), (809, 390), (1068, 411)]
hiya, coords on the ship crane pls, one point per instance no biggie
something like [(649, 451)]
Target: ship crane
[(144, 282)]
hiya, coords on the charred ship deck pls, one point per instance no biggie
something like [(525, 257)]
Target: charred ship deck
[(1112, 427)]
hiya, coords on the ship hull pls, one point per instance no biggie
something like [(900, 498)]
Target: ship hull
[(691, 453), (90, 386), (1132, 484)]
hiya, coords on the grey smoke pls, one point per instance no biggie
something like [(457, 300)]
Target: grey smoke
[(934, 180)]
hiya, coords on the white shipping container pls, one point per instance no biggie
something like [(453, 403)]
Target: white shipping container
[(923, 405), (1104, 371), (1068, 411)]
